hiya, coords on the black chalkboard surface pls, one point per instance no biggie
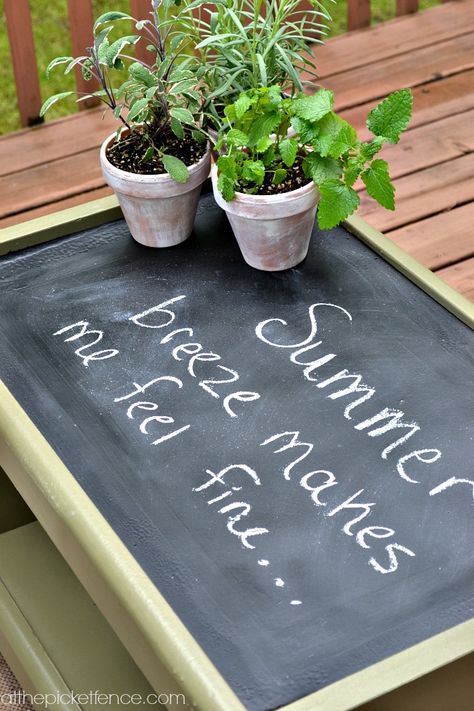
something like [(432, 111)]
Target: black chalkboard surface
[(289, 456)]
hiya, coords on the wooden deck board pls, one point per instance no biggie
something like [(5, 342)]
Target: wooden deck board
[(443, 59), (440, 240), (461, 277), (78, 199), (50, 182), (431, 102), (56, 165), (26, 149), (423, 194), (394, 38), (431, 144)]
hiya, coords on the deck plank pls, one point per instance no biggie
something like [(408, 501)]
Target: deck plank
[(430, 144), (47, 183), (422, 194), (440, 240), (54, 140), (461, 277), (363, 84), (79, 199), (394, 38), (431, 102)]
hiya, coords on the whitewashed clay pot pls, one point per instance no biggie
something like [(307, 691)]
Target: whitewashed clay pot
[(273, 231), (159, 211)]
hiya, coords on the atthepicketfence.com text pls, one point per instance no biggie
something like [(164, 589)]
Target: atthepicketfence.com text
[(90, 698)]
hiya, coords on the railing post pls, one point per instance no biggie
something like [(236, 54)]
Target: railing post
[(358, 14), (141, 10), (81, 22), (405, 7), (22, 49)]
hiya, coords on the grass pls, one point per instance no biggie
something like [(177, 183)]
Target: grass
[(51, 33)]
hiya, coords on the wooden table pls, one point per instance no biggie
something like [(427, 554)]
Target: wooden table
[(160, 645)]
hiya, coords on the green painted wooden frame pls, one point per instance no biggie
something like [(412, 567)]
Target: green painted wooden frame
[(163, 648)]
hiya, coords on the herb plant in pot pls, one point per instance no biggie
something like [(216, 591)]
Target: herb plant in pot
[(272, 189), (246, 45), (159, 157)]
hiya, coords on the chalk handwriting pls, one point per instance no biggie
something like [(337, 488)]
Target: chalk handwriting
[(83, 332), (159, 317), (388, 420), (347, 508), (236, 509), (152, 406)]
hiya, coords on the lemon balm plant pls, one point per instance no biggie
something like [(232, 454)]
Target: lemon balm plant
[(271, 184), (159, 157)]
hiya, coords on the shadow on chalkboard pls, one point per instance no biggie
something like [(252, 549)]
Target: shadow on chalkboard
[(450, 688)]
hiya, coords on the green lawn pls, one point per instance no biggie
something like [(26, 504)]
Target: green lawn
[(51, 33)]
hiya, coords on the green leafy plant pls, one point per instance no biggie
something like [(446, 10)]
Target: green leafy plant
[(156, 98), (259, 155), (245, 44)]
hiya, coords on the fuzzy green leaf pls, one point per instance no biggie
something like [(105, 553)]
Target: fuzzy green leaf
[(226, 187), (352, 170), (52, 100), (182, 115), (288, 151), (242, 105), (262, 127), (253, 171), (337, 201), (368, 150), (198, 136), (110, 17), (141, 74), (227, 166), (280, 175), (86, 70), (392, 115), (379, 186), (269, 155), (263, 144), (321, 169), (336, 136), (102, 50), (76, 61), (306, 131), (177, 128), (137, 108), (149, 153), (315, 107), (175, 168), (150, 93), (184, 85), (236, 138), (55, 62), (116, 47)]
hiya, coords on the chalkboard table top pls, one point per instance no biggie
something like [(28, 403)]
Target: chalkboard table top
[(263, 480)]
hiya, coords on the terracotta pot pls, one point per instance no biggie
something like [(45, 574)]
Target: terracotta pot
[(159, 211), (273, 231)]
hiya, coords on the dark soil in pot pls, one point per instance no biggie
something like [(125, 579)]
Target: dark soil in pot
[(127, 154), (295, 179)]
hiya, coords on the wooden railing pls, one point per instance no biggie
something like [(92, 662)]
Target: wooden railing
[(22, 48)]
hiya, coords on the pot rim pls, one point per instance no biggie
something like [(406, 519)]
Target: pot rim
[(246, 198), (148, 178)]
